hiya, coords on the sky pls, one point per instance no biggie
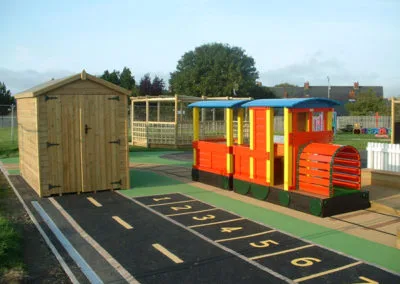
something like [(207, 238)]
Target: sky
[(291, 41)]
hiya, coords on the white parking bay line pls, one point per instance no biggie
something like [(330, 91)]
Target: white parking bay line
[(167, 253)]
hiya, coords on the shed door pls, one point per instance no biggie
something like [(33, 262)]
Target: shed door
[(100, 142)]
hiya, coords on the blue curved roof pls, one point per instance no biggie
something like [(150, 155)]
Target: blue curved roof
[(218, 104), (293, 103)]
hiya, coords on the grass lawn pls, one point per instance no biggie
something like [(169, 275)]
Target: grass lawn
[(359, 141), (8, 146)]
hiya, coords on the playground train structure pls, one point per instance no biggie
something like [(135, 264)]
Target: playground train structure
[(301, 169)]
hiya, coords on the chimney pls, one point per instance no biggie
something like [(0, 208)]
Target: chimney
[(306, 85), (355, 86)]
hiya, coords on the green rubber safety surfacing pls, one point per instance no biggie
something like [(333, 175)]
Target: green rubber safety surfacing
[(284, 198), (259, 191), (241, 187), (316, 207)]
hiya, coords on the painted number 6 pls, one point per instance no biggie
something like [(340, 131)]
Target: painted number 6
[(304, 261)]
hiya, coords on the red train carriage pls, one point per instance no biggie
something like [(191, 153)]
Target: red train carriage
[(300, 169)]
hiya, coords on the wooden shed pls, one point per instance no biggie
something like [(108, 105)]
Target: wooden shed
[(72, 135)]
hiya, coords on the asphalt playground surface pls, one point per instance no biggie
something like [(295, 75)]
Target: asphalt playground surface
[(204, 244)]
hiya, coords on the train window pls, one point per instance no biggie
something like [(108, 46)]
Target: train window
[(318, 121), (301, 121)]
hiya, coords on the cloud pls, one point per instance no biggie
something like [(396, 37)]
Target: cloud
[(316, 70), (18, 81)]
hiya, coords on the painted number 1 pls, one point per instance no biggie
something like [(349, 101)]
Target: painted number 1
[(161, 198)]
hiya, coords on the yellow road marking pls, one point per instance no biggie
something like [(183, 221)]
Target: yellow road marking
[(327, 272), (167, 253), (122, 222), (214, 223), (193, 212), (94, 202), (244, 237), (280, 252), (168, 203)]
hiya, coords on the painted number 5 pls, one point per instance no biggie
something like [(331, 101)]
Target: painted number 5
[(263, 244), (207, 217), (304, 261)]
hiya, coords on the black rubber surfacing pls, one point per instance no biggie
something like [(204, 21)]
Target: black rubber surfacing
[(203, 262), (310, 262)]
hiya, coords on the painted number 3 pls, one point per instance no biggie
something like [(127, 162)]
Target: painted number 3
[(207, 217)]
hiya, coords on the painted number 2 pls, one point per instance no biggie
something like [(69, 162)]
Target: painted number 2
[(184, 207), (263, 244)]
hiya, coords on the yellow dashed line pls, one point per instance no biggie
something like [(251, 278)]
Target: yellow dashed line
[(244, 237), (169, 203), (94, 202), (167, 253), (122, 223), (327, 272), (193, 212), (279, 252), (214, 223)]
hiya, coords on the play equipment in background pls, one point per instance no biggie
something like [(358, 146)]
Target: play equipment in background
[(395, 121), (301, 170)]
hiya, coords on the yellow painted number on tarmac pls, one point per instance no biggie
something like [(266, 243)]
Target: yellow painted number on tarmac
[(367, 281), (230, 229), (162, 198), (207, 217), (304, 261), (264, 244), (185, 207)]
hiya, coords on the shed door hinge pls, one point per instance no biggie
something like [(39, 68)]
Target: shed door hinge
[(53, 186), (116, 98), (51, 144), (118, 141), (46, 98)]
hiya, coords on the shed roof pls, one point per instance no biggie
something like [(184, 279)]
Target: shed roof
[(293, 103), (54, 84), (218, 104)]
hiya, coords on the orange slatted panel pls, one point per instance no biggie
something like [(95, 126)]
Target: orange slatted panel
[(317, 158), (346, 184), (353, 156), (346, 162), (321, 166), (348, 177), (317, 189), (314, 180), (350, 170), (315, 173)]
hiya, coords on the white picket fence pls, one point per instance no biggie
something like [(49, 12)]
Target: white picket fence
[(382, 156)]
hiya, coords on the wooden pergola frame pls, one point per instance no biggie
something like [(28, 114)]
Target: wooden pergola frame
[(394, 102), (178, 100)]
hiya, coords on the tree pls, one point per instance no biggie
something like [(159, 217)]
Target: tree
[(145, 85), (157, 86), (105, 76), (114, 78), (261, 92), (127, 81), (5, 99), (285, 85), (367, 103), (214, 70)]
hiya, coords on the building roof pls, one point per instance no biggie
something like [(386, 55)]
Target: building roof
[(218, 104), (293, 103), (54, 84)]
